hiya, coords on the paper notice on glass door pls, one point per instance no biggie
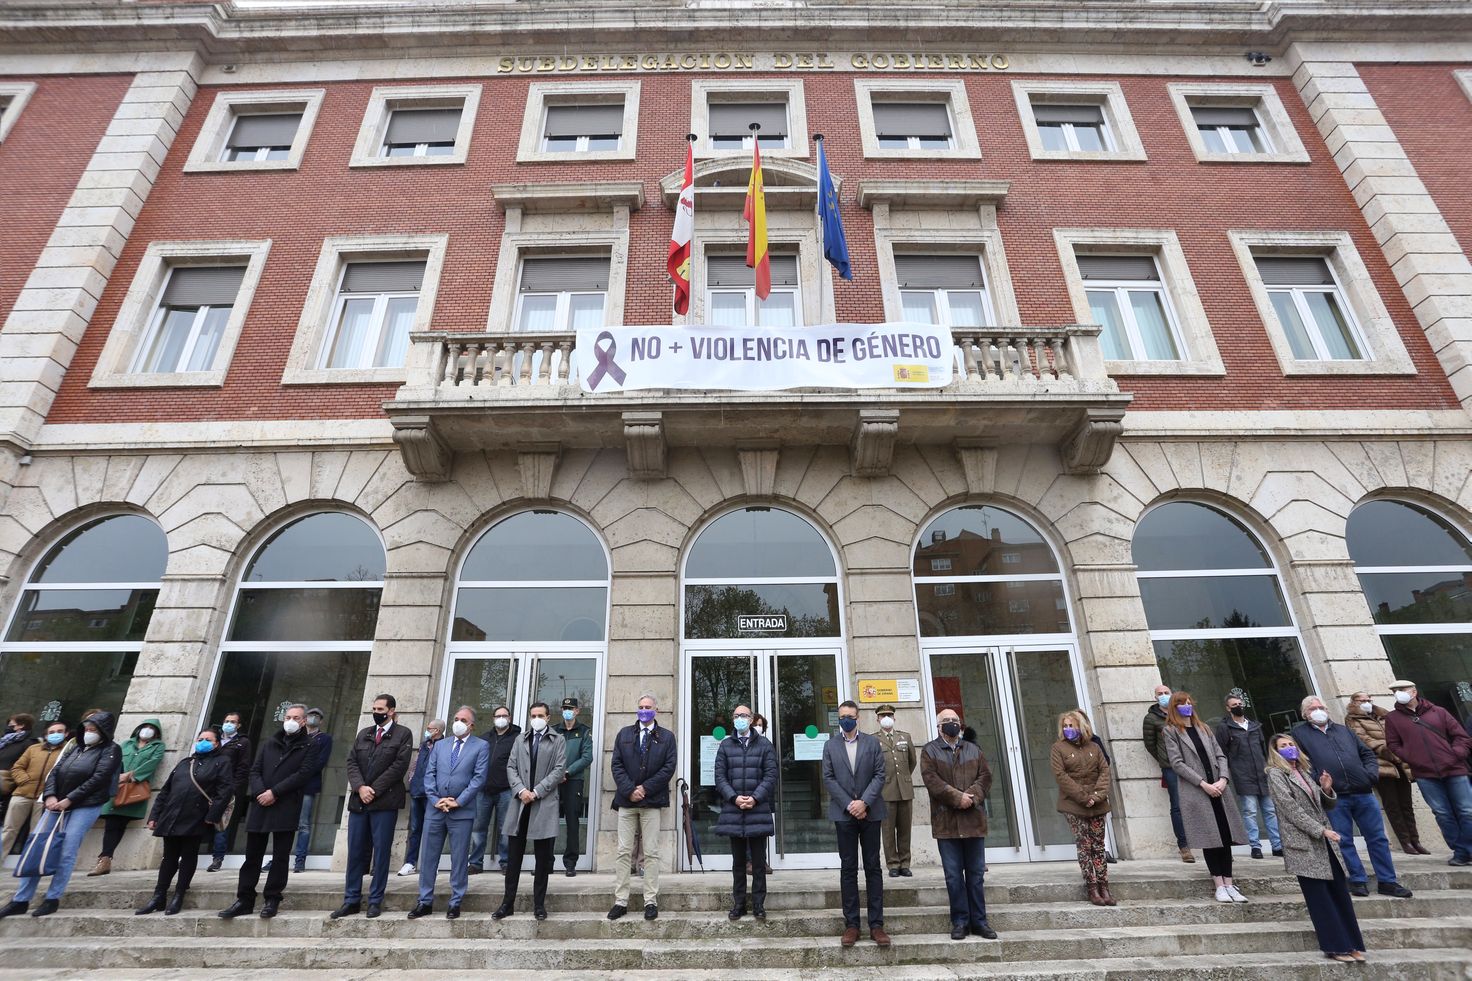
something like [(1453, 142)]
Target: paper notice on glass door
[(708, 747), (805, 747)]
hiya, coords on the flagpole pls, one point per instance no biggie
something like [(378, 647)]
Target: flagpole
[(822, 238)]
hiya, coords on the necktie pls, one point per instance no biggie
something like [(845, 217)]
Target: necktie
[(455, 753), (378, 735), (536, 743), (643, 741)]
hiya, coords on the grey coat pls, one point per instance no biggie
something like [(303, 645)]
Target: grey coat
[(551, 762), (1302, 821), (1197, 814)]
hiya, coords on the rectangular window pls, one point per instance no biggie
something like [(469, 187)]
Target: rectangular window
[(264, 136), (421, 132), (569, 128), (373, 315), (731, 293), (1011, 558), (185, 331), (948, 290), (1127, 298), (1076, 128), (912, 125), (1231, 129), (730, 124), (561, 293), (940, 565), (1311, 308)]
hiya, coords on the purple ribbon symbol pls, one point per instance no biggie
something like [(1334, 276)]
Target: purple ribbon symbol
[(606, 364)]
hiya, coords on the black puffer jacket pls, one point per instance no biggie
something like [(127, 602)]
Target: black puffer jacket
[(180, 809), (87, 775), (746, 771), (283, 766)]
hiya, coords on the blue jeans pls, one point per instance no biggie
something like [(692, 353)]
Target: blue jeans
[(79, 821), (964, 863), (1450, 799), (490, 812), (1363, 810), (1172, 786), (1249, 806), (437, 827), (416, 828), (370, 834), (304, 828)]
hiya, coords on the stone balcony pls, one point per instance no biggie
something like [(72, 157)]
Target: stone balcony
[(520, 392)]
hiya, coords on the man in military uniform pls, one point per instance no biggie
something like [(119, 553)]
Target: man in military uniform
[(899, 791), (578, 739)]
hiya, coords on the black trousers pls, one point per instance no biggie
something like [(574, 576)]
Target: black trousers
[(181, 855), (852, 836), (113, 827), (1332, 911), (516, 851), (1219, 860), (753, 850), (570, 802), (255, 852)]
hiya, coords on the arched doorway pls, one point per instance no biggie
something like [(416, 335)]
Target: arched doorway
[(530, 624), (999, 647), (762, 626)]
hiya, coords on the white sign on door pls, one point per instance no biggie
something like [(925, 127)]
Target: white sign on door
[(805, 748), (708, 747)]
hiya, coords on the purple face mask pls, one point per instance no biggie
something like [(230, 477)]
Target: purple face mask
[(1185, 709), (1070, 733), (646, 716), (1289, 753)]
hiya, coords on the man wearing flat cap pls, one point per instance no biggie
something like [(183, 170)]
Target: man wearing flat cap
[(899, 791), (578, 738)]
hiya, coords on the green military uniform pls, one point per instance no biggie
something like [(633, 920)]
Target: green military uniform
[(899, 793)]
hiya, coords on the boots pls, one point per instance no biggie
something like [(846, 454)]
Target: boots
[(1187, 857), (1420, 848), (1095, 896), (103, 867), (1105, 894), (153, 905), (176, 904)]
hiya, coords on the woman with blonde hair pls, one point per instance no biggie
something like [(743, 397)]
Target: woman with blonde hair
[(1209, 811), (1311, 847), (1081, 771)]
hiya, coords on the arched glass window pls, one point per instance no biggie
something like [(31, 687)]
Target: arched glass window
[(301, 630), (760, 561), (1218, 618), (1415, 569), (74, 638)]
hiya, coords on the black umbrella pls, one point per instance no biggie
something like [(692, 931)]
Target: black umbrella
[(692, 840)]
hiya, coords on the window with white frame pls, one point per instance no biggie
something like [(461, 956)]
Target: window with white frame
[(1077, 128), (731, 299), (1311, 308), (1231, 129), (13, 98), (946, 290), (261, 136), (567, 128), (373, 314), (561, 293), (185, 331), (730, 124), (913, 125), (1127, 298), (415, 132)]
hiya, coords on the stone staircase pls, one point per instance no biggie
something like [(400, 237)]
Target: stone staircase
[(1166, 925)]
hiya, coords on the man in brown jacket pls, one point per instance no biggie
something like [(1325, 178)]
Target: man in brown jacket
[(899, 790), (958, 779)]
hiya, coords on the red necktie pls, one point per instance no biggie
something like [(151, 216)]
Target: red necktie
[(378, 736)]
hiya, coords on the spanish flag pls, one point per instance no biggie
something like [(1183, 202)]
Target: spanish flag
[(756, 218)]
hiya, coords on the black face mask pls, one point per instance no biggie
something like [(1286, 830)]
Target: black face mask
[(379, 718), (952, 729), (1238, 711)]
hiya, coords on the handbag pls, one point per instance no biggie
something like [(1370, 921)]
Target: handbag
[(131, 793), (225, 818), (42, 854), (7, 783)]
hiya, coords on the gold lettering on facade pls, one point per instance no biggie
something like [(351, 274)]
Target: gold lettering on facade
[(736, 61), (723, 61), (859, 61), (781, 62), (745, 61), (1000, 62)]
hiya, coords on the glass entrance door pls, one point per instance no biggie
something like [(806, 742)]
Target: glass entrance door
[(1010, 699), (798, 692)]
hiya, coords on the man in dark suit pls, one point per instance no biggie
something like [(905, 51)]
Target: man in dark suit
[(376, 765), (453, 777), (853, 773)]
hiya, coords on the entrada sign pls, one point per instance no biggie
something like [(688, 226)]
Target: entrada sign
[(748, 623)]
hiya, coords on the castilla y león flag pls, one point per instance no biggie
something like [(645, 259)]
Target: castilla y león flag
[(756, 217), (679, 260)]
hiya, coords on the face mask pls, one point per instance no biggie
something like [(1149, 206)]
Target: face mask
[(1238, 711), (886, 722), (502, 722), (379, 718), (538, 724), (848, 723), (55, 738), (314, 721), (204, 746), (1289, 753), (145, 734), (1403, 697), (741, 724), (646, 716), (1318, 717), (568, 715), (228, 728), (1366, 707), (428, 734), (460, 728), (1186, 710), (759, 730), (1163, 700), (1070, 733), (91, 738), (952, 729), (291, 726)]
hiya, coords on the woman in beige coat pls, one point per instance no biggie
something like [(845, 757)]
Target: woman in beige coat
[(1082, 775), (1311, 847)]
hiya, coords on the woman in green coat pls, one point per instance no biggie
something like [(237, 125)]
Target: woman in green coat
[(141, 756)]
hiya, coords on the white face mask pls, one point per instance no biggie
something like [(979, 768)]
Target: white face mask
[(502, 722), (759, 730), (886, 722), (91, 738), (1367, 707), (146, 733), (538, 724), (460, 729), (291, 726), (1403, 697), (1318, 717)]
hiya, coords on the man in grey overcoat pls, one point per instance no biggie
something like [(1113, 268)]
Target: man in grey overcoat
[(534, 770)]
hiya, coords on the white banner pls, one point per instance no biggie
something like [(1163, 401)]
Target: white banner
[(764, 359)]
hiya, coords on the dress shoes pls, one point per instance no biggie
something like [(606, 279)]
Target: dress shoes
[(155, 904), (617, 912), (374, 911), (737, 912), (760, 914), (1256, 852), (238, 908), (214, 866), (346, 909), (905, 872), (877, 934), (539, 913), (651, 912), (984, 931), (453, 913), (1359, 889), (270, 909), (1393, 889), (850, 936), (13, 909), (421, 909), (960, 932), (47, 907), (503, 911)]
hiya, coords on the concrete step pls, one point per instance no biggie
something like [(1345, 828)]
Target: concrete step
[(478, 945)]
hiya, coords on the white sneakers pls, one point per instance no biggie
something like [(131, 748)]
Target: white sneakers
[(408, 869), (1222, 896), (1237, 897)]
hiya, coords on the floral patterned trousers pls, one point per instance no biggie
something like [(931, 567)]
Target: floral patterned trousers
[(1088, 835)]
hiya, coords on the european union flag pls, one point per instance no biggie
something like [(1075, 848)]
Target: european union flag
[(835, 246)]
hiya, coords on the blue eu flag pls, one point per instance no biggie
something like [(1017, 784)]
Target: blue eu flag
[(835, 246)]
